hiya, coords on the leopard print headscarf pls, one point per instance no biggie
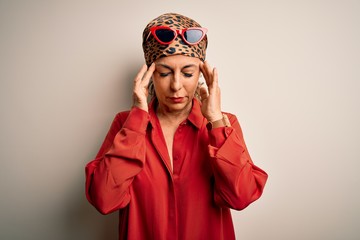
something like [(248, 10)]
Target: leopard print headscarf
[(154, 50)]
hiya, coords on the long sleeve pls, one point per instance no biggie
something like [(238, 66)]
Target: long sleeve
[(238, 182), (120, 158)]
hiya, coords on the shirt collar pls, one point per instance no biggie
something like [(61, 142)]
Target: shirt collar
[(195, 116)]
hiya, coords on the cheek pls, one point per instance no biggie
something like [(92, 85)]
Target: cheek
[(160, 85), (192, 84)]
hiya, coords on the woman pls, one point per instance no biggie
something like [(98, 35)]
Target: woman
[(174, 167)]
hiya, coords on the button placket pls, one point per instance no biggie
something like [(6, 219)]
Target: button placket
[(227, 131), (177, 148)]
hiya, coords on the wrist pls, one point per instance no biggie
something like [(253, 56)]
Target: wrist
[(222, 122), (142, 107), (215, 117)]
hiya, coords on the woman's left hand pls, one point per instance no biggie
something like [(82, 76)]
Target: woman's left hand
[(210, 95)]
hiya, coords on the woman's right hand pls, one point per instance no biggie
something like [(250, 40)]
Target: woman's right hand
[(141, 83)]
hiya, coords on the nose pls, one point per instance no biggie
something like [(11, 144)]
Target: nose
[(176, 83)]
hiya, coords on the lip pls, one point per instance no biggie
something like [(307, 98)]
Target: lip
[(177, 99)]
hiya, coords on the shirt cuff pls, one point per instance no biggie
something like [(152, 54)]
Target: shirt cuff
[(217, 136), (137, 120)]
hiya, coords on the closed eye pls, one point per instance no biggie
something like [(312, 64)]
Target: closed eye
[(188, 75), (164, 74)]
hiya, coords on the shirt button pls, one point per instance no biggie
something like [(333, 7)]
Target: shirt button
[(176, 158), (228, 131)]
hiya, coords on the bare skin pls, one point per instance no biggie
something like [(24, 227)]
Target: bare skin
[(175, 81)]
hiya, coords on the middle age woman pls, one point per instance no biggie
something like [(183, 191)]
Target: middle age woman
[(175, 166)]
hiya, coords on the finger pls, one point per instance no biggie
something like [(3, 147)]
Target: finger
[(209, 73), (202, 68), (214, 87), (215, 77), (203, 93), (146, 78), (204, 72), (140, 74)]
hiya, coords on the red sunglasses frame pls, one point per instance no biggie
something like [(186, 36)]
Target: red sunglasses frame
[(177, 32)]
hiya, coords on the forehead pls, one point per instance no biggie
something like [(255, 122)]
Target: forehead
[(178, 61)]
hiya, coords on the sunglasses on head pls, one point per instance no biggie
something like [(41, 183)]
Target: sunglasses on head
[(165, 35)]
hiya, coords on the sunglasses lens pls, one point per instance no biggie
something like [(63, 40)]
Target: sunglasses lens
[(193, 35), (165, 35)]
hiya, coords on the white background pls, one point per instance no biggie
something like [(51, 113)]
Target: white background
[(290, 71)]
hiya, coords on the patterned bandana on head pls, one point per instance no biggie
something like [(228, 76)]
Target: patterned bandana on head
[(154, 50)]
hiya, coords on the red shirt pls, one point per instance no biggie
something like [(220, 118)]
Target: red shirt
[(212, 172)]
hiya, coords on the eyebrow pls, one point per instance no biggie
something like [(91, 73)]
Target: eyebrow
[(168, 67)]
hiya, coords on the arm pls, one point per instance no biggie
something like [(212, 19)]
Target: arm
[(122, 155), (120, 159), (238, 182)]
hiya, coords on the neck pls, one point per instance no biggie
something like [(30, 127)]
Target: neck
[(175, 117)]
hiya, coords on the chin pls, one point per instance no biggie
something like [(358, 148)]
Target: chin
[(178, 106)]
